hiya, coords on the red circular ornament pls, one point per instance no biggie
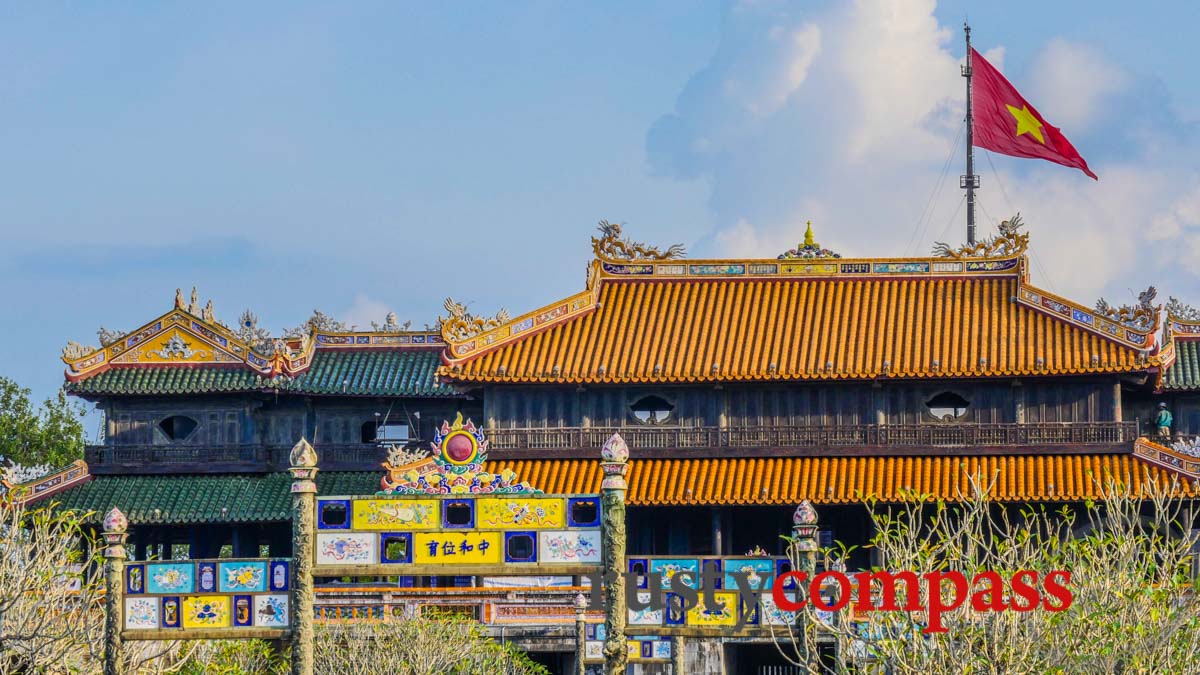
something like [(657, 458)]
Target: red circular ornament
[(459, 447)]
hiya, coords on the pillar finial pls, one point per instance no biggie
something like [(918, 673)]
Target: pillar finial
[(805, 514), (303, 455), (115, 521), (809, 240), (614, 457)]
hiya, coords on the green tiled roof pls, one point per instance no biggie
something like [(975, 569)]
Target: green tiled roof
[(1185, 372), (374, 372), (169, 380), (351, 372), (199, 498)]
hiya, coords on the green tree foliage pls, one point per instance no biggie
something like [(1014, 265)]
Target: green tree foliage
[(51, 435)]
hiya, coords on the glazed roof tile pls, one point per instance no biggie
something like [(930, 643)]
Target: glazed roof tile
[(186, 499), (355, 372), (847, 480), (663, 331), (200, 498), (1184, 373)]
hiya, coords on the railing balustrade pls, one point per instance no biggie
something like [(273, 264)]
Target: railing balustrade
[(840, 435), (366, 456)]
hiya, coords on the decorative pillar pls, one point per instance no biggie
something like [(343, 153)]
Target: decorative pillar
[(614, 456), (581, 604), (677, 648), (304, 490), (115, 527), (804, 559)]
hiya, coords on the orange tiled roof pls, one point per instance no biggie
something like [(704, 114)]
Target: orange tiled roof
[(845, 480), (691, 330)]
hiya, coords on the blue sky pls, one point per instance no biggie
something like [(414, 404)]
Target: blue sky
[(367, 157)]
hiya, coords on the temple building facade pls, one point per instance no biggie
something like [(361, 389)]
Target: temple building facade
[(742, 387)]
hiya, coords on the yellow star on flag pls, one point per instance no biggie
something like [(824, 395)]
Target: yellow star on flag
[(1026, 122)]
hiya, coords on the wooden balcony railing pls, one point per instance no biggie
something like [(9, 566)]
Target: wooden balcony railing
[(512, 442), (845, 435), (225, 458)]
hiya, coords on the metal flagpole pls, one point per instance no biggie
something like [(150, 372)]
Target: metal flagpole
[(970, 181)]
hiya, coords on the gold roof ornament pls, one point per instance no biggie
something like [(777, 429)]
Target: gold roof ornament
[(461, 324), (1142, 316), (611, 246), (808, 249), (1007, 243)]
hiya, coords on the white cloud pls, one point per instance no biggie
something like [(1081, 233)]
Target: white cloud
[(858, 140), (364, 311), (1071, 82)]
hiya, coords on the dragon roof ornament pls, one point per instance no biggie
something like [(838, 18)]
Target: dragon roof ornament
[(391, 324), (319, 322), (612, 246), (808, 249), (1181, 311), (107, 337), (1007, 243), (1142, 316), (463, 325), (75, 351)]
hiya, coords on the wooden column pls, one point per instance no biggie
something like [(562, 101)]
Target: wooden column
[(304, 491), (580, 633), (115, 527), (677, 649), (614, 456)]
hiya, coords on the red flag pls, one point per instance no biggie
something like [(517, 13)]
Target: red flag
[(1004, 121)]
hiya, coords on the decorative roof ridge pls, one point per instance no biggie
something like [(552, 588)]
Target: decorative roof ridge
[(414, 339), (1183, 321), (495, 333), (1105, 321), (84, 361), (20, 494), (612, 247), (1182, 457), (1002, 253), (813, 268)]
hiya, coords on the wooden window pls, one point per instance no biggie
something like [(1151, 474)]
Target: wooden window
[(178, 427), (652, 410), (947, 406)]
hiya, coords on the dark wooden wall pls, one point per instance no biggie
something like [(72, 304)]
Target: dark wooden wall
[(252, 419), (1082, 400)]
